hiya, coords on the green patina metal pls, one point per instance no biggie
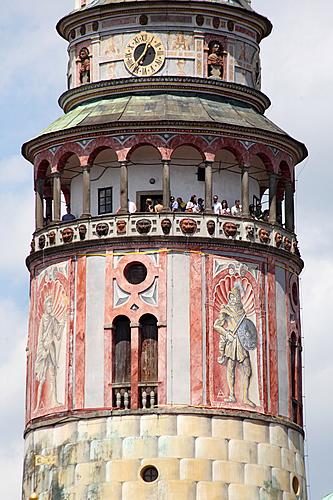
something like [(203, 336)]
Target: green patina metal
[(244, 4), (167, 107)]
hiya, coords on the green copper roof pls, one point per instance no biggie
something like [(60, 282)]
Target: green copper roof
[(160, 107), (244, 4)]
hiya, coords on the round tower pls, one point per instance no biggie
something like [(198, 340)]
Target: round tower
[(164, 347)]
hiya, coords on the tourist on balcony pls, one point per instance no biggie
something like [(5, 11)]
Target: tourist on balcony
[(149, 205), (258, 212), (265, 215), (201, 204), (68, 216), (181, 204), (225, 208), (159, 206), (236, 210), (131, 206), (174, 204), (252, 211), (217, 207), (192, 205)]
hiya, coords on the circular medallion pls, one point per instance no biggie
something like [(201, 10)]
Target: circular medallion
[(144, 54)]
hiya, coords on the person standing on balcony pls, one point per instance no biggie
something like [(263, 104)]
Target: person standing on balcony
[(131, 207), (217, 207), (68, 216), (174, 207), (159, 206), (225, 209), (236, 210)]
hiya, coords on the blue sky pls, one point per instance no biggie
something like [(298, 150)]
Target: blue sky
[(297, 63)]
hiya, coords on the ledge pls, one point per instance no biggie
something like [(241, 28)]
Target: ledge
[(134, 85), (75, 415)]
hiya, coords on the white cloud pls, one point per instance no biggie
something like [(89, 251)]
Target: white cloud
[(13, 323)]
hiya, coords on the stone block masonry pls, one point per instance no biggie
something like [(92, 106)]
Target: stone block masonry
[(197, 457)]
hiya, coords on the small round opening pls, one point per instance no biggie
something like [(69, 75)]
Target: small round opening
[(296, 485), (149, 474), (135, 273)]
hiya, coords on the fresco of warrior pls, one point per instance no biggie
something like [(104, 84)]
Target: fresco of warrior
[(238, 336)]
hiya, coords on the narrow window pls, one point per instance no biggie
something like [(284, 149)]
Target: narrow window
[(148, 349), (105, 201), (122, 351)]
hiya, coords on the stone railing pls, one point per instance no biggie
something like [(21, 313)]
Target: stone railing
[(121, 396), (147, 396), (180, 225)]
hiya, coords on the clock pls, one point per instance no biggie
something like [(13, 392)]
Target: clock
[(144, 54)]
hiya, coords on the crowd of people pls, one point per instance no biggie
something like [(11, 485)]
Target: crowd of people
[(194, 205), (197, 205)]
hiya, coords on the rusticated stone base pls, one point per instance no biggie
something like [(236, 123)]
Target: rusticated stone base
[(197, 457)]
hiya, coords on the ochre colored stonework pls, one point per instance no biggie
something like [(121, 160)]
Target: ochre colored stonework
[(197, 457)]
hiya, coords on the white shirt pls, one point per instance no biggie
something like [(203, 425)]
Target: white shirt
[(236, 212), (174, 206), (217, 207), (192, 206), (131, 207)]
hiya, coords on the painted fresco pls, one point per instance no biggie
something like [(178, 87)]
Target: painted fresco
[(235, 366), (50, 338)]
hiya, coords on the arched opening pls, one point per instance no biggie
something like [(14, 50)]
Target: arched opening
[(104, 183), (226, 179), (145, 177), (121, 370), (70, 170), (187, 174), (148, 361)]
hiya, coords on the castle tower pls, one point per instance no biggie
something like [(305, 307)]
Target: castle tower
[(164, 347)]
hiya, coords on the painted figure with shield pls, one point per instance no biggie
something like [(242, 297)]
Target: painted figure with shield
[(238, 336)]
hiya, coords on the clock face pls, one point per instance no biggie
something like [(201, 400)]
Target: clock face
[(144, 54)]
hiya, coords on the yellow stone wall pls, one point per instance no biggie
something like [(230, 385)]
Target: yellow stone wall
[(198, 458)]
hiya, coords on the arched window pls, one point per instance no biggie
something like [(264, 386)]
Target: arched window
[(148, 349), (122, 350)]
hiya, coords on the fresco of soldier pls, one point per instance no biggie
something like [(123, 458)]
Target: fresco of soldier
[(49, 336), (238, 336)]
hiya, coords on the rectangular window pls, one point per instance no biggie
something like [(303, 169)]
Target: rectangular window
[(105, 201)]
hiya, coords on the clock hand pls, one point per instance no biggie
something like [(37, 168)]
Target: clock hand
[(148, 44)]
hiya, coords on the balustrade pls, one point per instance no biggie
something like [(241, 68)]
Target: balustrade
[(180, 225), (121, 397)]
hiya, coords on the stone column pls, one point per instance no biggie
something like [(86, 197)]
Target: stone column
[(39, 205), (289, 206), (56, 196), (123, 188), (245, 191), (86, 192), (166, 185), (208, 187), (272, 198)]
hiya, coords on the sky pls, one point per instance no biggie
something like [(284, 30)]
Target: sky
[(297, 64)]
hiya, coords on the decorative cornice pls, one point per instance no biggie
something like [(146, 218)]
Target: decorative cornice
[(134, 85), (74, 19), (84, 414), (286, 143)]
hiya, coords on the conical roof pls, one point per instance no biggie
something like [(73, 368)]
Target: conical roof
[(243, 4)]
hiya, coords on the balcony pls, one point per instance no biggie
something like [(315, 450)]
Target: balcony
[(146, 227)]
